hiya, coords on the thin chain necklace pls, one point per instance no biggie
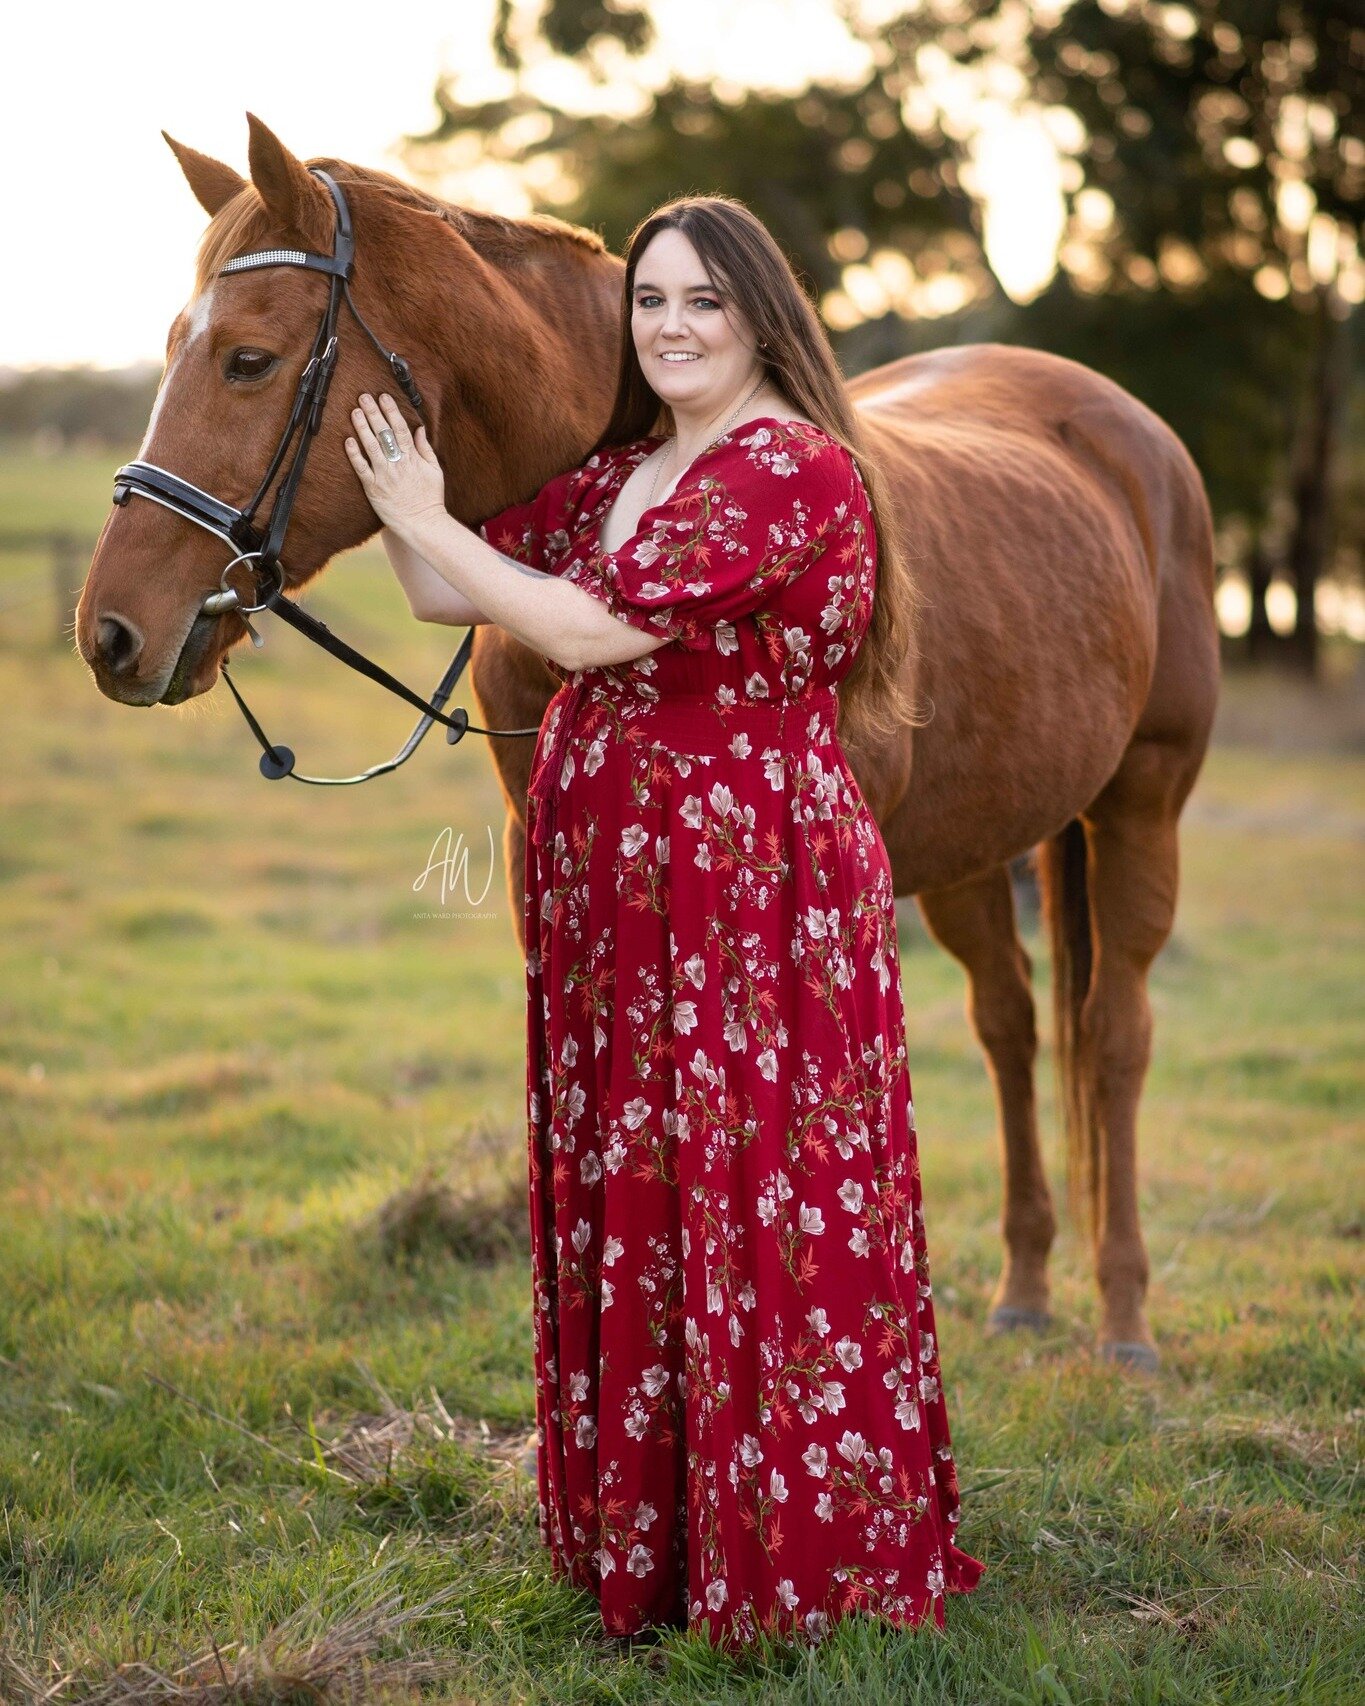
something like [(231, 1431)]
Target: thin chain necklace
[(658, 467)]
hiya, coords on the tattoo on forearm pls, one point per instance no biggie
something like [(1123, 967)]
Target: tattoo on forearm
[(523, 568)]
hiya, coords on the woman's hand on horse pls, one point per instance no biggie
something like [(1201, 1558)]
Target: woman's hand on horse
[(400, 492)]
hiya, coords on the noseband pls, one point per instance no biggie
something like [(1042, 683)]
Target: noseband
[(253, 545)]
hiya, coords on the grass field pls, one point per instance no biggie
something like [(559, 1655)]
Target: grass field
[(233, 1032)]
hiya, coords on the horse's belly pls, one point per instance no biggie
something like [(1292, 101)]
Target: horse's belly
[(1037, 643)]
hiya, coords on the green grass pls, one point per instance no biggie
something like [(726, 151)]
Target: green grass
[(230, 1032)]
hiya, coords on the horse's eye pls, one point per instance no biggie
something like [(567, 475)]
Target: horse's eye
[(249, 364)]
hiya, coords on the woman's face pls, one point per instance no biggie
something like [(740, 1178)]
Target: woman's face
[(698, 355)]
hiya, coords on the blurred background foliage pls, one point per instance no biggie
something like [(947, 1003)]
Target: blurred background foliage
[(1211, 160), (1213, 176)]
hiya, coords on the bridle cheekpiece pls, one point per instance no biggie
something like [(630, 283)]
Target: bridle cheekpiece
[(261, 546)]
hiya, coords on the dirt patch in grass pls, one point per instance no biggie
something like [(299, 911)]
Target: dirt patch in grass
[(366, 1447), (476, 1225)]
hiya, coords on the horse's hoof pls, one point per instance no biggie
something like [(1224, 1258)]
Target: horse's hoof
[(1131, 1353), (1006, 1317)]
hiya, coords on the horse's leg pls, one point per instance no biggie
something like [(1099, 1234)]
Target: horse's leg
[(975, 922), (514, 854), (1131, 830), (510, 687)]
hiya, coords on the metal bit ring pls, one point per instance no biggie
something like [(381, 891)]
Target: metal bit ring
[(228, 598)]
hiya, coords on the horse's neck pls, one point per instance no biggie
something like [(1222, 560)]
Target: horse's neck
[(518, 355)]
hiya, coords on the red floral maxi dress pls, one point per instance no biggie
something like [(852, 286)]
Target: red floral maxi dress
[(740, 1414)]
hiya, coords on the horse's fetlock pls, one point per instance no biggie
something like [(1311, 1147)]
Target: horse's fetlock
[(1032, 1225)]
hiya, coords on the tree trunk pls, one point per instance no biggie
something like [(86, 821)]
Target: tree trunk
[(1310, 540), (1261, 639)]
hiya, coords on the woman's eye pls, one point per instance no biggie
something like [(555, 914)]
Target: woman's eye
[(651, 301), (249, 364)]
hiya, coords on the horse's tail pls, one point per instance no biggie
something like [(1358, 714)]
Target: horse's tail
[(1064, 889)]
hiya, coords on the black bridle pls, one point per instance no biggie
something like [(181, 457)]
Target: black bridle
[(239, 530)]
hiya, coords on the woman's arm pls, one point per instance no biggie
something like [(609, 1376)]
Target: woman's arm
[(552, 616), (430, 598)]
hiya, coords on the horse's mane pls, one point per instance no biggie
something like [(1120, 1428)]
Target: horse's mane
[(243, 221)]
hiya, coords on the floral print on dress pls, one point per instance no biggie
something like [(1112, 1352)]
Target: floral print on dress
[(740, 1408)]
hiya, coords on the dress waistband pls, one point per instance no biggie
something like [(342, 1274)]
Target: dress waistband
[(693, 723), (703, 723)]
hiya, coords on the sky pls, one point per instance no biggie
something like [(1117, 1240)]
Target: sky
[(102, 228)]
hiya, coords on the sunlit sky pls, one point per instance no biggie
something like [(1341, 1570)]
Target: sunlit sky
[(101, 226)]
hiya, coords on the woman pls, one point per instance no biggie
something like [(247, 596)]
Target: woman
[(740, 1417)]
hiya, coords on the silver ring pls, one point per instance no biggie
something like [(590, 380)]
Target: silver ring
[(228, 598), (391, 451)]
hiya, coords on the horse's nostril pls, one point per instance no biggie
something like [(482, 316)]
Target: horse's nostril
[(118, 644)]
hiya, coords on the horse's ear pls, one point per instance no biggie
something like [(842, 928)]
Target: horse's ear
[(213, 183), (288, 188)]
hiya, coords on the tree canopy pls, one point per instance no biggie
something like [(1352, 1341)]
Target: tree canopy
[(1212, 170)]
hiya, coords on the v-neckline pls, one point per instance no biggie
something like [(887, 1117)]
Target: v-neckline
[(654, 440)]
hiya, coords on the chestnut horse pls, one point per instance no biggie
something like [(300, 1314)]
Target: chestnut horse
[(1068, 648)]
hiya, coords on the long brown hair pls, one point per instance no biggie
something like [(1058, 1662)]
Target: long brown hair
[(751, 273)]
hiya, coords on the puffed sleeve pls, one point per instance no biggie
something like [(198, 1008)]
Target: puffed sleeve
[(538, 532), (725, 543)]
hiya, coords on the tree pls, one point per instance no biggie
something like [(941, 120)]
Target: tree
[(856, 179), (1215, 173), (78, 404), (1223, 146)]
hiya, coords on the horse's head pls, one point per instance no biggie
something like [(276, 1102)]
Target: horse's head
[(234, 357), (511, 326)]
